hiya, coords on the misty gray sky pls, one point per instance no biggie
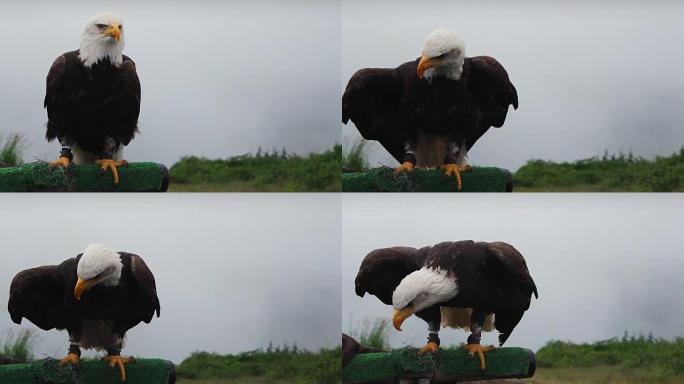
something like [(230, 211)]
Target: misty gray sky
[(603, 263), (591, 76), (218, 78), (233, 271)]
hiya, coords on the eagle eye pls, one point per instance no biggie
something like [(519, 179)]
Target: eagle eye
[(100, 26), (410, 304), (441, 56), (120, 27)]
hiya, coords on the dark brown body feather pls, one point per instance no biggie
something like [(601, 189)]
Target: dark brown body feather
[(491, 278), (89, 105), (45, 296), (392, 105)]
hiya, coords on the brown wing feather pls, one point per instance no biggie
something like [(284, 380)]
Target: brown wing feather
[(383, 269), (514, 276), (371, 101), (132, 89), (37, 294), (54, 79), (147, 300), (492, 92)]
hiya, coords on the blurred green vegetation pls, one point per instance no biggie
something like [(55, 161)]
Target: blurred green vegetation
[(273, 365), (355, 159), (372, 333), (18, 346), (658, 357), (275, 171), (11, 148), (609, 173)]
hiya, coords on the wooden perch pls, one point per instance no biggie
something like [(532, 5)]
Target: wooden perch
[(142, 371), (447, 366), (477, 179), (39, 177)]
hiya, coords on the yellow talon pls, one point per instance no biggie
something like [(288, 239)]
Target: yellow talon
[(429, 348), (71, 358), (111, 165), (61, 162), (407, 166), (456, 170), (480, 350), (119, 361)]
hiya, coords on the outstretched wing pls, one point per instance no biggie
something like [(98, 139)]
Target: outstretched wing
[(492, 91), (37, 294), (383, 269), (371, 100), (131, 90), (510, 272), (147, 302)]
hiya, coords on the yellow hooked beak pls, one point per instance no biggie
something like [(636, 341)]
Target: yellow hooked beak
[(81, 286), (423, 66), (113, 31), (400, 316)]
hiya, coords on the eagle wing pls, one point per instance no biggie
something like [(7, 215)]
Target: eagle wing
[(131, 84), (147, 302), (37, 294), (492, 92), (53, 80), (371, 100), (510, 272), (383, 269)]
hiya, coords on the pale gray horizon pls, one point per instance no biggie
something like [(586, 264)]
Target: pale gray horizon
[(218, 79), (591, 76), (604, 264), (234, 272)]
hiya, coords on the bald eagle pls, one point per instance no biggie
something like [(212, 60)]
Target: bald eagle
[(96, 296), (429, 112), (93, 98), (476, 286)]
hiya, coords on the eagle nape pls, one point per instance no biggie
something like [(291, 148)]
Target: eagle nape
[(112, 165)]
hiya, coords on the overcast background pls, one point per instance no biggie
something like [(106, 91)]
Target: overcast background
[(591, 76), (234, 272), (218, 78), (603, 263)]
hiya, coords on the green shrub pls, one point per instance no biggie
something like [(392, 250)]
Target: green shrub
[(11, 149), (290, 363), (607, 173), (630, 352), (18, 346), (316, 172)]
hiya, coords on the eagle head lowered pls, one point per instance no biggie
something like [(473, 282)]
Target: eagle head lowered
[(430, 112), (96, 296), (474, 286), (93, 97)]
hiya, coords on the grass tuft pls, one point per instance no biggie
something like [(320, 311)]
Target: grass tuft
[(18, 346)]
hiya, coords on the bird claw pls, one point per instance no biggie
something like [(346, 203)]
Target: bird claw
[(429, 348), (407, 166), (71, 358), (110, 164), (119, 361), (62, 162), (480, 350), (456, 170)]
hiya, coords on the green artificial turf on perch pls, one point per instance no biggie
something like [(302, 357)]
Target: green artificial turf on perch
[(39, 177), (383, 179), (142, 371), (447, 366)]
